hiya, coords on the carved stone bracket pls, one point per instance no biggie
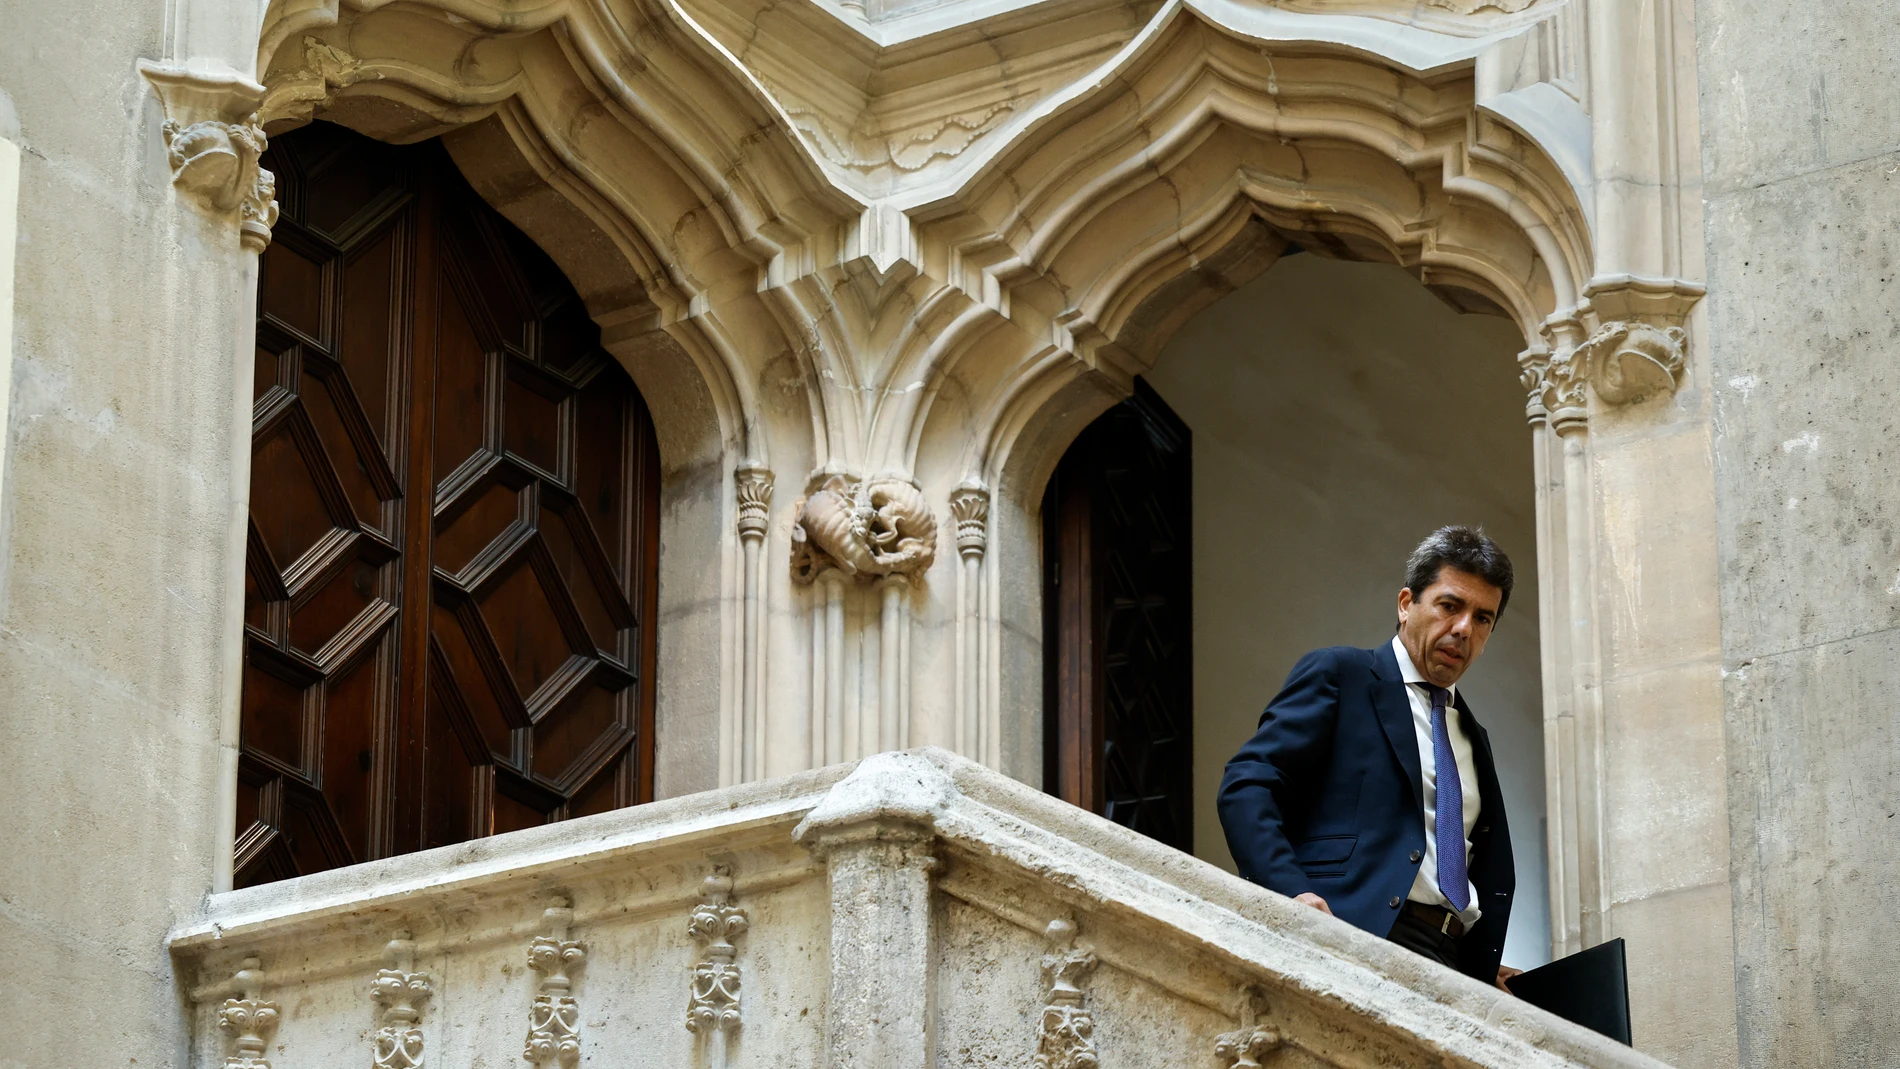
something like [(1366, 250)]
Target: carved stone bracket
[(715, 923), (754, 488), (1248, 1046), (970, 508), (213, 142), (399, 992), (1065, 1034), (248, 1021), (554, 1020), (880, 526), (1626, 362)]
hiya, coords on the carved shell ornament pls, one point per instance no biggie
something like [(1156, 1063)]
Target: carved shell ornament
[(882, 526)]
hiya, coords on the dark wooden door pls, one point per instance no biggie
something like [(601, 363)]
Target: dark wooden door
[(453, 526), (1118, 621)]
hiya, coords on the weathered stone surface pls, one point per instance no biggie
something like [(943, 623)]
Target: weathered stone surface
[(1814, 745)]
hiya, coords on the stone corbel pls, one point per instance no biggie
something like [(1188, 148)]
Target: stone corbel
[(213, 141), (864, 529), (1640, 344)]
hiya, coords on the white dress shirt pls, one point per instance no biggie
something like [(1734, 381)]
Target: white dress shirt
[(1425, 886)]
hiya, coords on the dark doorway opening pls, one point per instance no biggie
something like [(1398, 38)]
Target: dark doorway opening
[(1118, 691), (451, 578)]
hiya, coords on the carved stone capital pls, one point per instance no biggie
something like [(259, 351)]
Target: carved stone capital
[(863, 529), (970, 508), (213, 142), (713, 1002), (753, 486), (248, 1022)]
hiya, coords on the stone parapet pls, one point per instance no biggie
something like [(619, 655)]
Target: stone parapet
[(914, 909)]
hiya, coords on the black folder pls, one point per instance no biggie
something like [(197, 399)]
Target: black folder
[(1590, 987)]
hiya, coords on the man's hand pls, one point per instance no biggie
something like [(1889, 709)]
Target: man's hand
[(1505, 972), (1308, 898)]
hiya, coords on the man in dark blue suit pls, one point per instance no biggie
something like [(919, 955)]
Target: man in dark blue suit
[(1368, 764)]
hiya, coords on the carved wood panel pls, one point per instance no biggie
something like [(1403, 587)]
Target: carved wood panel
[(453, 526), (1118, 620)]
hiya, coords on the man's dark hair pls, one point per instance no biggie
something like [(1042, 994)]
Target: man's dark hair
[(1466, 549)]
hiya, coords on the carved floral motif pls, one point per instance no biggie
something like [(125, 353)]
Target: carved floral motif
[(247, 1022), (399, 992), (715, 923), (754, 489), (882, 526), (970, 508), (555, 1018), (1065, 1034)]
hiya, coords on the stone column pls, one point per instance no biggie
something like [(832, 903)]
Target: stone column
[(753, 485), (875, 831), (970, 509)]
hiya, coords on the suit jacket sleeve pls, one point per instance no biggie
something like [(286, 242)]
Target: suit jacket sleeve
[(1274, 769)]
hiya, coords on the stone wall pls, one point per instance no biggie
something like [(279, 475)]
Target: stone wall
[(1801, 147), (118, 536)]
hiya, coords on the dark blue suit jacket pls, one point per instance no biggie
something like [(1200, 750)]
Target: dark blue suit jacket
[(1326, 797)]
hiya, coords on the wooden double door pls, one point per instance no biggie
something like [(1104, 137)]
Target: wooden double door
[(1118, 621), (451, 574)]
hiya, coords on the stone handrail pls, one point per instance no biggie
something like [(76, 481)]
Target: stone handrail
[(915, 909)]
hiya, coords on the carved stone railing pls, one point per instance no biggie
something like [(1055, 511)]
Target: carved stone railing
[(913, 910)]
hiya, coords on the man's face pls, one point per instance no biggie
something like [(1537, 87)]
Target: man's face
[(1446, 626)]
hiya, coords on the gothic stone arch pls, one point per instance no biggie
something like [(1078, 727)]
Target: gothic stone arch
[(899, 256)]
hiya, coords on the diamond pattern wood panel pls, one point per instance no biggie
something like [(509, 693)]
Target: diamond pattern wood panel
[(453, 540)]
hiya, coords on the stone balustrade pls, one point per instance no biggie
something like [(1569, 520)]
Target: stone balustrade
[(915, 909)]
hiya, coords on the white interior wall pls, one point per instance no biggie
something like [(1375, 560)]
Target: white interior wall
[(1340, 412)]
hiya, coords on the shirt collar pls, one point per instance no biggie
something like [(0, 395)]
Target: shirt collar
[(1409, 671)]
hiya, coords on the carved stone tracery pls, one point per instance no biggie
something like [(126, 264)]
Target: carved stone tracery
[(1248, 1046), (399, 992), (1065, 1034), (554, 1019), (714, 1001), (881, 526)]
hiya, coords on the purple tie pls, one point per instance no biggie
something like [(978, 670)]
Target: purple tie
[(1449, 813)]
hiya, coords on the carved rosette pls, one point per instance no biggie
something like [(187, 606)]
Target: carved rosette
[(1065, 1034), (754, 489), (970, 509), (713, 1003), (881, 526), (554, 1019), (399, 992), (247, 1022)]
